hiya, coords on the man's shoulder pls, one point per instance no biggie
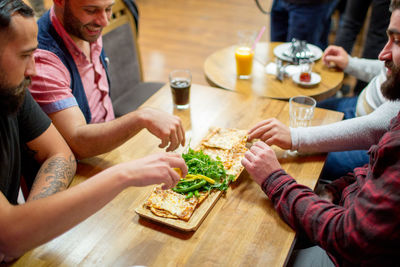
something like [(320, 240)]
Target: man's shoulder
[(44, 25), (48, 37)]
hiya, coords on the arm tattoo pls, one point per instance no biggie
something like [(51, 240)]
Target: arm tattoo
[(57, 173)]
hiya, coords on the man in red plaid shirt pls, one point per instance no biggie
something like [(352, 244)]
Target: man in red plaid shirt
[(357, 221)]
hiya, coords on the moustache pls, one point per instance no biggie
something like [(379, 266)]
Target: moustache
[(389, 64), (23, 85)]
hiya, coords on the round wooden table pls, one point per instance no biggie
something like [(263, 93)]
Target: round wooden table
[(220, 70)]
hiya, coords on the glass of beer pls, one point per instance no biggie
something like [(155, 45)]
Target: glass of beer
[(180, 82)]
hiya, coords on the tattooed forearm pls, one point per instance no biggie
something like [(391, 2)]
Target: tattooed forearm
[(55, 175)]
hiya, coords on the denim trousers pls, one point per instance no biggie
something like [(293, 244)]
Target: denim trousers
[(310, 22), (340, 163)]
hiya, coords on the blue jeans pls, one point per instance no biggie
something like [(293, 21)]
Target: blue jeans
[(305, 22), (347, 105), (340, 163)]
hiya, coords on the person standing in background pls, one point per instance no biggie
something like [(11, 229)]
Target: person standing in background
[(352, 22), (308, 20)]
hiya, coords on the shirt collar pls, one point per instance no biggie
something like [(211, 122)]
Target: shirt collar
[(75, 51)]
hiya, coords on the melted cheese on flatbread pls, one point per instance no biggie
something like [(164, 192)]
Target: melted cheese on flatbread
[(229, 145), (225, 145), (224, 138), (169, 204), (219, 154)]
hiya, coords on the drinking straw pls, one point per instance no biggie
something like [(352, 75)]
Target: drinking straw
[(258, 37)]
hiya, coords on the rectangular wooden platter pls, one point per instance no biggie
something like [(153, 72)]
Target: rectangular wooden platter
[(199, 214), (194, 222)]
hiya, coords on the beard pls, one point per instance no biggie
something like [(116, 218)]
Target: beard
[(11, 98), (391, 87), (75, 27)]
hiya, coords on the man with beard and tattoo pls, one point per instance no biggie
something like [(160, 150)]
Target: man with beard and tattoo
[(72, 87), (24, 128), (357, 223)]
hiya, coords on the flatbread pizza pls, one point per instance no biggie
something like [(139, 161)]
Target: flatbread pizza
[(215, 164)]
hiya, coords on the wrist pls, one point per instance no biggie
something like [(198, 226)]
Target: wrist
[(141, 118), (271, 177), (120, 176)]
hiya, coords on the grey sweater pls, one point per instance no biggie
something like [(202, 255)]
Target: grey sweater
[(352, 134), (356, 133)]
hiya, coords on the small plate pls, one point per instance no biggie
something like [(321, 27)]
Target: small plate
[(315, 79), (280, 52)]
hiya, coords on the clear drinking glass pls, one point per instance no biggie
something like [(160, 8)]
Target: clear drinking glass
[(301, 111), (180, 82), (244, 53), (305, 70)]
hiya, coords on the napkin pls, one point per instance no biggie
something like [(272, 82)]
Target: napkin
[(289, 69)]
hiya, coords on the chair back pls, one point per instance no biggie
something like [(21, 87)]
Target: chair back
[(122, 50), (128, 91)]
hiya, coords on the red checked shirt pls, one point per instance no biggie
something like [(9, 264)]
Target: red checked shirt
[(363, 229)]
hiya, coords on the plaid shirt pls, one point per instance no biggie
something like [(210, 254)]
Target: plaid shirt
[(363, 226)]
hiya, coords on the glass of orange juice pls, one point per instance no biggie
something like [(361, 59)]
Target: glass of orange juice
[(244, 54)]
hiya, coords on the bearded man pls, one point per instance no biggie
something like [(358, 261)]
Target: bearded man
[(25, 129), (357, 223), (72, 85)]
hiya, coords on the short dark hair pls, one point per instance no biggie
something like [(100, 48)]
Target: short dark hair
[(395, 4), (9, 7)]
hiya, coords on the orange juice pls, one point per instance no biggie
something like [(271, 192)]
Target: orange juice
[(244, 62)]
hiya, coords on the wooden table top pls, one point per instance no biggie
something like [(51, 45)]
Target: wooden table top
[(220, 70), (241, 229)]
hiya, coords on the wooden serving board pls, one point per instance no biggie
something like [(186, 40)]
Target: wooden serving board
[(194, 222), (199, 213)]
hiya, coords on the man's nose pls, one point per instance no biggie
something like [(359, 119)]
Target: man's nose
[(30, 68), (386, 53), (103, 19)]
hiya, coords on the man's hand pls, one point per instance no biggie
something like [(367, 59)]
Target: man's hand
[(155, 169), (260, 161), (165, 126), (272, 132), (335, 56), (326, 195)]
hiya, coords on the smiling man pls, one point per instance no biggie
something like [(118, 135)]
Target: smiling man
[(72, 84), (357, 223), (25, 130)]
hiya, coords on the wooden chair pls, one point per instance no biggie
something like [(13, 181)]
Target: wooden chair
[(128, 91)]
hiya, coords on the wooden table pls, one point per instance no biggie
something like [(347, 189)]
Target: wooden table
[(220, 70), (241, 229)]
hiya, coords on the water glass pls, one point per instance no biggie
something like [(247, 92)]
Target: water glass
[(301, 111)]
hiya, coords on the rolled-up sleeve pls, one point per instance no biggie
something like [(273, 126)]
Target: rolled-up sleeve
[(51, 85)]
